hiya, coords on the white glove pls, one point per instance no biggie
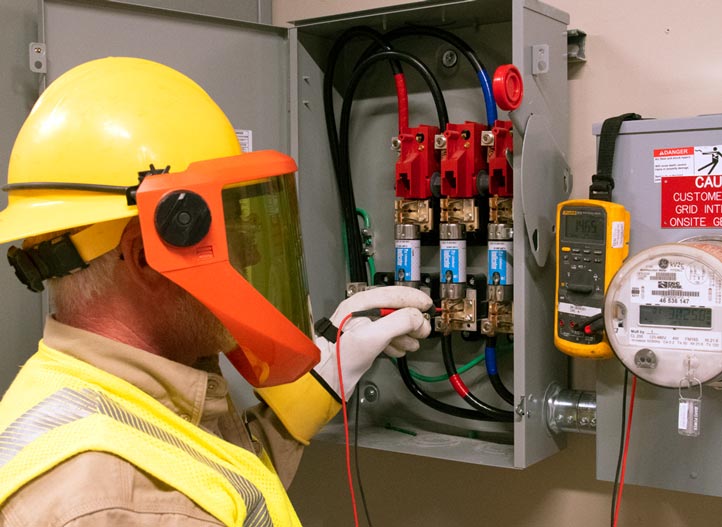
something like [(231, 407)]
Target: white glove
[(363, 339)]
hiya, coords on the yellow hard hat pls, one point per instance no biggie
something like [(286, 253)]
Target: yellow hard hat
[(101, 123), (207, 215)]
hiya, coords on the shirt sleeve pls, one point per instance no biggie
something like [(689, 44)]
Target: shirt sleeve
[(285, 451)]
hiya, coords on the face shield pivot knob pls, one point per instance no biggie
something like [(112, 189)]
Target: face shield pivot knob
[(182, 218)]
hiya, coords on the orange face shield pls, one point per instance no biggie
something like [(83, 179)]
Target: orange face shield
[(228, 232)]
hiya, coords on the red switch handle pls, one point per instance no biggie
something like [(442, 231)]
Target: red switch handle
[(508, 87)]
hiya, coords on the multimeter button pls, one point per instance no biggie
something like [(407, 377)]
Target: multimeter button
[(587, 260), (587, 251), (580, 288), (566, 249), (565, 258), (597, 252), (575, 250), (577, 258), (597, 260)]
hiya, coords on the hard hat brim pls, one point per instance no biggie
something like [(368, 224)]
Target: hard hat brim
[(34, 212)]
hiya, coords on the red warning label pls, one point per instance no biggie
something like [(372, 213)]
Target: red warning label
[(691, 202), (667, 152), (677, 161)]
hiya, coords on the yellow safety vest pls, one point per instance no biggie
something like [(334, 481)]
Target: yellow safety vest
[(59, 406)]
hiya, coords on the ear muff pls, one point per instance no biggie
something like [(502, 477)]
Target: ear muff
[(182, 218)]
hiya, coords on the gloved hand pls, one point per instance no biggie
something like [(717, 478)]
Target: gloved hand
[(306, 405), (363, 339)]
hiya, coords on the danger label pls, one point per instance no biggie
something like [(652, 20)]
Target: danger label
[(691, 202), (691, 182), (673, 162), (687, 161)]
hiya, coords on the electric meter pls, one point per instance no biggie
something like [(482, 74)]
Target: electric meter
[(663, 312)]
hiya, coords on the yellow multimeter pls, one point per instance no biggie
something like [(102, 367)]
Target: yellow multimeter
[(592, 243)]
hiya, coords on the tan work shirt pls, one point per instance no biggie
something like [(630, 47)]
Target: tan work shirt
[(98, 489)]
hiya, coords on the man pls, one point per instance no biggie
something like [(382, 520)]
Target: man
[(163, 247)]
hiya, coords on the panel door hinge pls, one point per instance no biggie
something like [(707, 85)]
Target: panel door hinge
[(521, 409), (576, 44)]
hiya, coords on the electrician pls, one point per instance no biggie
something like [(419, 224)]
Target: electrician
[(122, 416)]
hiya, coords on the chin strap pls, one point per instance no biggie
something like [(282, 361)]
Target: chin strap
[(64, 254), (48, 259)]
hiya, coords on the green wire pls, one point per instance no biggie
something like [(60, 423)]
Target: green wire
[(369, 259), (365, 215), (440, 378), (372, 269)]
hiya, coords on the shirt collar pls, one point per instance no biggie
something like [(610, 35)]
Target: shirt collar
[(180, 388)]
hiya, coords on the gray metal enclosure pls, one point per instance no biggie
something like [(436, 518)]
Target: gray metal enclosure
[(501, 32), (658, 455), (269, 80)]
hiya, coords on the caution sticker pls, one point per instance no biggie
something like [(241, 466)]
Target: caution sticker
[(691, 202), (691, 186)]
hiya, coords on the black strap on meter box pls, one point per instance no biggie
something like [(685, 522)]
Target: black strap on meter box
[(603, 181)]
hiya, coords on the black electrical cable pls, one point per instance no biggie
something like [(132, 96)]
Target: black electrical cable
[(429, 401), (459, 44), (357, 267), (442, 34), (353, 234), (490, 411), (493, 372), (338, 45), (621, 446), (360, 71), (357, 410)]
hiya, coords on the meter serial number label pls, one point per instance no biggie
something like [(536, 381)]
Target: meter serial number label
[(676, 338), (676, 282)]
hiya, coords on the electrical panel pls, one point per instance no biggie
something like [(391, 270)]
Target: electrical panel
[(667, 176), (269, 81)]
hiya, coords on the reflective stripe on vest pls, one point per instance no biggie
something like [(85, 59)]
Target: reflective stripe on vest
[(84, 413)]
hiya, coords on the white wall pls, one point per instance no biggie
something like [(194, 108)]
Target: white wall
[(656, 58)]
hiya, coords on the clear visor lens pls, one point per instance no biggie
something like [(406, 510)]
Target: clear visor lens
[(264, 243)]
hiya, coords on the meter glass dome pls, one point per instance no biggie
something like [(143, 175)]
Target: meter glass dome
[(663, 313)]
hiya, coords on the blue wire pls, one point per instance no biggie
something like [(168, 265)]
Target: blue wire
[(491, 115), (491, 360)]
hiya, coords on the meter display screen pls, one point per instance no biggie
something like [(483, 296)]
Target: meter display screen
[(690, 317), (584, 227)]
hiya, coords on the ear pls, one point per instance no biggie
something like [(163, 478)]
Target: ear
[(132, 253)]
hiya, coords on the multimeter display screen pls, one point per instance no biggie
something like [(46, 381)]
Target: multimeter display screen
[(691, 317), (584, 227)]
